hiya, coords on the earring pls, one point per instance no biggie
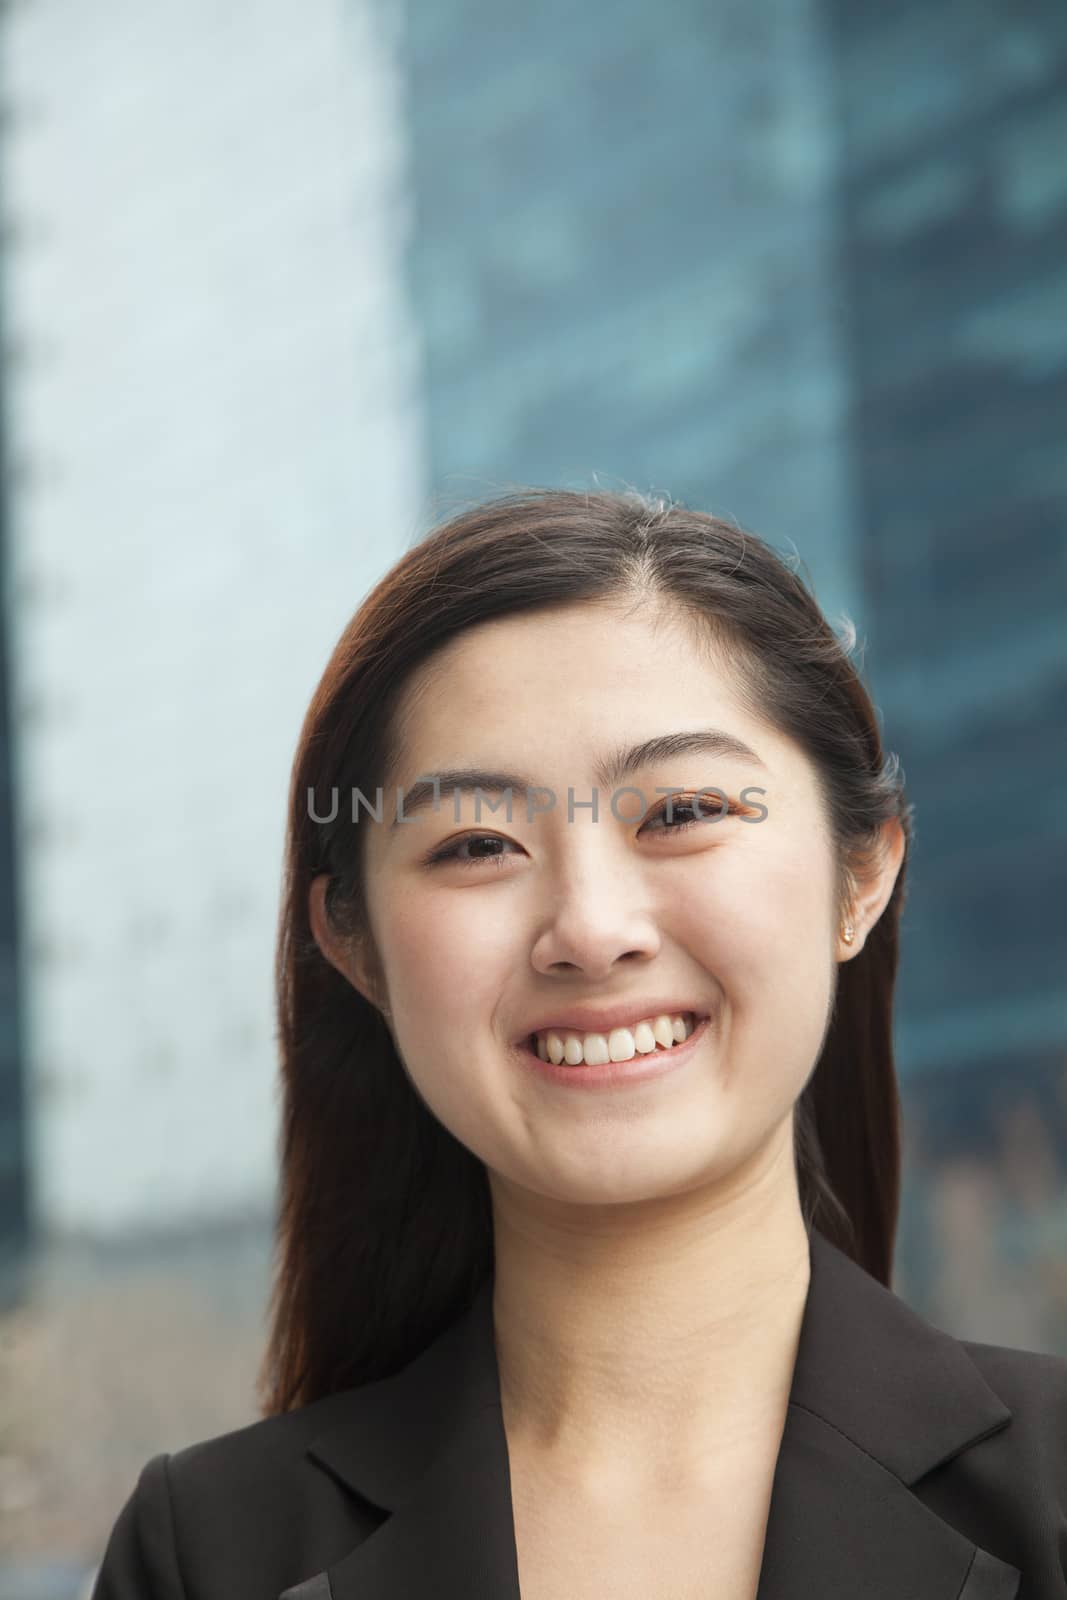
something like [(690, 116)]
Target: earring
[(848, 933)]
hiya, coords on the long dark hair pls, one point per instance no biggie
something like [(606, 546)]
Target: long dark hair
[(384, 1226)]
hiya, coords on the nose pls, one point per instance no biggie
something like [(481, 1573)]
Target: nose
[(599, 915)]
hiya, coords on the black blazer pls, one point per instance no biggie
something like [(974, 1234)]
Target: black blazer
[(913, 1466)]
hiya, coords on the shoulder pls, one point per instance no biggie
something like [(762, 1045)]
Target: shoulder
[(997, 1474), (1032, 1384), (228, 1514), (256, 1452), (1022, 1467)]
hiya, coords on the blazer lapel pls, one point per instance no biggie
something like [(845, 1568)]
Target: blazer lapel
[(428, 1446), (879, 1397)]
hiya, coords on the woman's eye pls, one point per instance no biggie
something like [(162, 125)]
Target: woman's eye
[(451, 852), (689, 811)]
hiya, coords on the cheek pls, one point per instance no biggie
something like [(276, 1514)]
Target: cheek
[(762, 932), (448, 962), (448, 965)]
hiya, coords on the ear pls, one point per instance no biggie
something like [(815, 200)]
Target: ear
[(348, 956), (873, 892)]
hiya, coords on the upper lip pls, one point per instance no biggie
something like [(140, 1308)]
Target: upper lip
[(597, 1019)]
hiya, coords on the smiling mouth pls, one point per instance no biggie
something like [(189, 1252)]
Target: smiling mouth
[(650, 1036)]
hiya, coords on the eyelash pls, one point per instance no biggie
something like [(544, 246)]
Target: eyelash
[(450, 852)]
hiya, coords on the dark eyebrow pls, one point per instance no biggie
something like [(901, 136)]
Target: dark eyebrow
[(609, 772)]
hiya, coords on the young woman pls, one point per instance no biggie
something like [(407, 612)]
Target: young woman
[(590, 1147)]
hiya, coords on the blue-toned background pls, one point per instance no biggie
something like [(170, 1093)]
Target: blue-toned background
[(275, 295)]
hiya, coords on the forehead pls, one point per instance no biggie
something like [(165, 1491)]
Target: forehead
[(569, 651), (571, 685)]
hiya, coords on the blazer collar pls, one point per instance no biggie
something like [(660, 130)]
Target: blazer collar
[(878, 1398)]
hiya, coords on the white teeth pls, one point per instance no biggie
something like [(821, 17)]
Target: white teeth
[(621, 1044), (644, 1038), (663, 1028)]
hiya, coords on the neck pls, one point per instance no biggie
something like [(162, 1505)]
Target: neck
[(638, 1339)]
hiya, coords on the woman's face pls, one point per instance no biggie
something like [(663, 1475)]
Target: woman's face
[(735, 917)]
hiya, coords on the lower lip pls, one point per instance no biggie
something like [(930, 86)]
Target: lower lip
[(617, 1074)]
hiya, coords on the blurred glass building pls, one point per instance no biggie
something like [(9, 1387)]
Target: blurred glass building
[(275, 295)]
